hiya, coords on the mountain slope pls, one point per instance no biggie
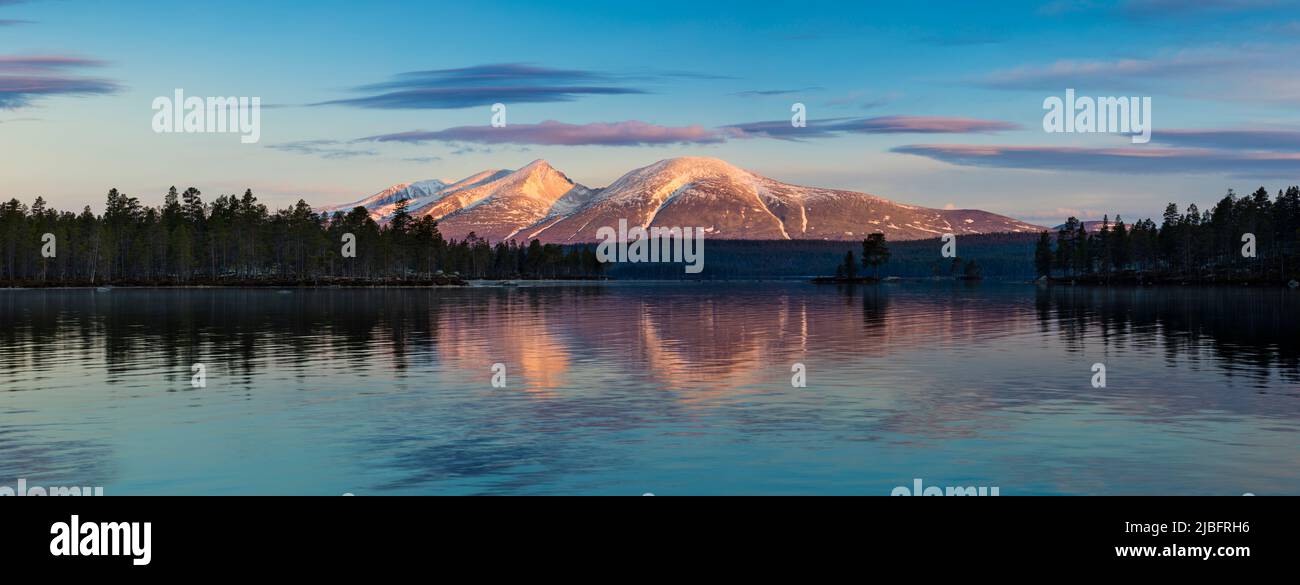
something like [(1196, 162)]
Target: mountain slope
[(382, 204), (499, 209), (732, 203), (540, 202)]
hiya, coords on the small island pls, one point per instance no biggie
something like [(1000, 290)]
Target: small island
[(875, 253)]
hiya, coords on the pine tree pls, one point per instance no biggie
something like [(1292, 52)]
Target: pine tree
[(1043, 255)]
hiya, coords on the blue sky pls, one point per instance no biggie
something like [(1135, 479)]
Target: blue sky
[(930, 103)]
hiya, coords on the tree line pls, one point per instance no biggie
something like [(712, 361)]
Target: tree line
[(1241, 239), (189, 241)]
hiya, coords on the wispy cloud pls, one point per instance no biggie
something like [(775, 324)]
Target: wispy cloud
[(44, 63), (552, 133), (483, 85), (1260, 73), (25, 79), (1232, 139), (649, 74), (328, 149), (14, 22), (1142, 161), (775, 92), (493, 75), (637, 133), (826, 128), (1121, 73), (21, 91)]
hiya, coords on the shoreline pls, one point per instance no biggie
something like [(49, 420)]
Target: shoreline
[(525, 282), (436, 282), (1096, 281)]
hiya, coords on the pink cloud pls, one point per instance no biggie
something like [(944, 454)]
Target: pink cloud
[(552, 133)]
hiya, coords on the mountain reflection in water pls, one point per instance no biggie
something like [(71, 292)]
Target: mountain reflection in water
[(629, 388)]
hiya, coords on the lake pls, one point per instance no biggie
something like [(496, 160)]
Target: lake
[(667, 388)]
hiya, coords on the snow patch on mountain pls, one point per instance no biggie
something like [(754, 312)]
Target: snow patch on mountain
[(538, 201)]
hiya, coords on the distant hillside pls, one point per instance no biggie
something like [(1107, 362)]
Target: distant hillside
[(1001, 256)]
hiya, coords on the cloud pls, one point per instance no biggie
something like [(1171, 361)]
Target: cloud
[(494, 75), (13, 22), (26, 79), (552, 133), (1122, 73), (1232, 139), (458, 98), (925, 125), (482, 85), (668, 74), (826, 128), (1255, 73), (44, 63), (21, 91), (328, 149), (774, 92), (1140, 161), (637, 133)]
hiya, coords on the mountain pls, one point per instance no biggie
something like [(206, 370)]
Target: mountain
[(499, 209), (540, 202), (382, 204)]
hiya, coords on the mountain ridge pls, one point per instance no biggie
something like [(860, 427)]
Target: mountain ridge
[(540, 202)]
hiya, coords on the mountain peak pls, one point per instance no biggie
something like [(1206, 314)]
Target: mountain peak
[(538, 165), (537, 170), (538, 201), (697, 163)]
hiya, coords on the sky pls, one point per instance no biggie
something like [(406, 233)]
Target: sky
[(928, 103)]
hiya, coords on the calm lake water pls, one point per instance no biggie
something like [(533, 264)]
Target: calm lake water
[(629, 388)]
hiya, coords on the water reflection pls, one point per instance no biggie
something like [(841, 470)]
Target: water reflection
[(630, 388)]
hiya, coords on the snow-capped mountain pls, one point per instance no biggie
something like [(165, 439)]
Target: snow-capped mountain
[(382, 204), (501, 208), (540, 202)]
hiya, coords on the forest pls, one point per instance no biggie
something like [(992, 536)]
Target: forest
[(239, 240), (1240, 240)]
